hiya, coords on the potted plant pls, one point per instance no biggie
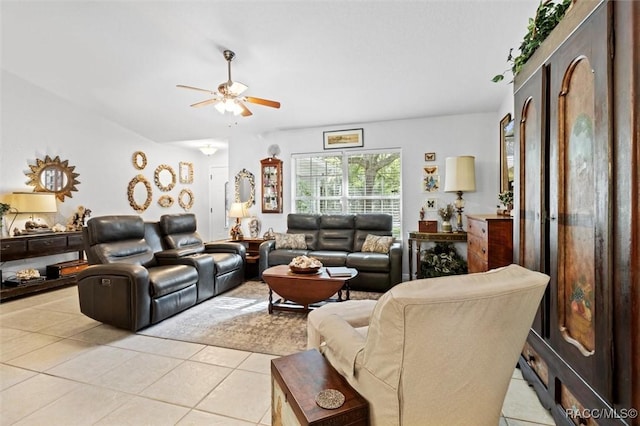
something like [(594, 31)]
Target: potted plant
[(4, 207), (547, 17), (440, 260), (506, 199), (446, 213)]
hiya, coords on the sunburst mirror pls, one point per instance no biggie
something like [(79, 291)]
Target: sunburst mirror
[(53, 175)]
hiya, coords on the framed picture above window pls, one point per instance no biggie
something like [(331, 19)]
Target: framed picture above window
[(339, 139)]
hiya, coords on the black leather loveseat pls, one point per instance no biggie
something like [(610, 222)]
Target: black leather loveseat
[(337, 240), (141, 273)]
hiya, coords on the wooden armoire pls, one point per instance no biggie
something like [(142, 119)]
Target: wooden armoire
[(577, 115)]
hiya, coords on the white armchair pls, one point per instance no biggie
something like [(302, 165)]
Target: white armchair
[(437, 351)]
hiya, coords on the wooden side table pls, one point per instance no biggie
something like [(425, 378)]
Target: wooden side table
[(432, 237), (253, 255), (297, 379)]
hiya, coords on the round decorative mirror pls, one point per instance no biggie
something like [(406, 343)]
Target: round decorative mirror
[(53, 175), (165, 201), (245, 188), (165, 177), (185, 199), (139, 160), (139, 195)]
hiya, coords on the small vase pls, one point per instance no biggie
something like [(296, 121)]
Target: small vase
[(446, 226)]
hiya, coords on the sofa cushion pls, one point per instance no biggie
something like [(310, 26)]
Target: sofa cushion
[(372, 262), (167, 279), (291, 241), (330, 257), (371, 224), (377, 244), (285, 256), (306, 224)]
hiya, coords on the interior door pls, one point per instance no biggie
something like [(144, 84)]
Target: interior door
[(218, 202)]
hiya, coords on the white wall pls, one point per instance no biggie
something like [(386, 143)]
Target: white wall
[(36, 123), (472, 134)]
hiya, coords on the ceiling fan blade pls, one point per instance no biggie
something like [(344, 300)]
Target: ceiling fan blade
[(205, 103), (265, 102), (245, 111), (182, 86)]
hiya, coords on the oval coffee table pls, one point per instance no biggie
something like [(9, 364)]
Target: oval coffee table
[(303, 289)]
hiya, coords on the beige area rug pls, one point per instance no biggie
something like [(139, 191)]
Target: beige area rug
[(238, 319)]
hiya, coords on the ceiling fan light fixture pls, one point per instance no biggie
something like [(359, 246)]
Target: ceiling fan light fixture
[(221, 107), (208, 150)]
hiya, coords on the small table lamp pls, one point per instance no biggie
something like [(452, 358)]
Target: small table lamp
[(460, 176), (238, 210)]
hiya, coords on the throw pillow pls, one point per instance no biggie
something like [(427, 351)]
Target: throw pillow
[(291, 241), (377, 243)]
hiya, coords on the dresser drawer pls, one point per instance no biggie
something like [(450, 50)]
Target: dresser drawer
[(9, 249), (476, 227), (75, 241), (47, 244), (476, 264), (478, 246)]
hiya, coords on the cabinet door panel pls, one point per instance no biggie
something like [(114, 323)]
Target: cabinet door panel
[(579, 199), (530, 238)]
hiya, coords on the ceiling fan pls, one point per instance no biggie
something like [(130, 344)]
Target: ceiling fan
[(228, 98)]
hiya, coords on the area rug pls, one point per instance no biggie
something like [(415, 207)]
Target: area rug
[(238, 319)]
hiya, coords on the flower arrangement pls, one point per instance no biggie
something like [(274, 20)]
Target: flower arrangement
[(440, 260), (446, 212), (506, 198)]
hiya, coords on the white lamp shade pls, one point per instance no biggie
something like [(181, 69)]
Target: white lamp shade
[(460, 174), (34, 202), (238, 210)]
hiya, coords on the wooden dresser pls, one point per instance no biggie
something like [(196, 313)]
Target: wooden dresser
[(489, 242)]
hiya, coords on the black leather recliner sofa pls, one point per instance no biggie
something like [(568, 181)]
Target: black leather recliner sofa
[(337, 240), (141, 273)]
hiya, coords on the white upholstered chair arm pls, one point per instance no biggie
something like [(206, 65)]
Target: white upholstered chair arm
[(342, 345)]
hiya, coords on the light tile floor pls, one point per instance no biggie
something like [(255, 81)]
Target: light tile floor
[(58, 367)]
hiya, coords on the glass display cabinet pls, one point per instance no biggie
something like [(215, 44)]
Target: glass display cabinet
[(271, 171)]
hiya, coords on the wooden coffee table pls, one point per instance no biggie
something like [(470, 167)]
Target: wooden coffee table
[(302, 289)]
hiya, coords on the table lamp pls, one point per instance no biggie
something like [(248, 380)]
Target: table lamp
[(31, 203), (460, 176), (239, 211)]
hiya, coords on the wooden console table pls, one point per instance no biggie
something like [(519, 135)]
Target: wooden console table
[(30, 246), (430, 237)]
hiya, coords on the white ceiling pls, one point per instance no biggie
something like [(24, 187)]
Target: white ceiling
[(330, 63)]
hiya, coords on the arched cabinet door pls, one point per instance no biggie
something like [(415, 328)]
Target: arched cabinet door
[(530, 183), (580, 202)]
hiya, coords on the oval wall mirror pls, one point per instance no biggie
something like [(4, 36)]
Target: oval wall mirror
[(245, 188), (53, 175), (139, 193), (139, 160), (165, 177), (185, 199)]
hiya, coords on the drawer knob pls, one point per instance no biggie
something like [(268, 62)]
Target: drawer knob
[(484, 250)]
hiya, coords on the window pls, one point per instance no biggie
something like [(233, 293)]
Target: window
[(349, 182)]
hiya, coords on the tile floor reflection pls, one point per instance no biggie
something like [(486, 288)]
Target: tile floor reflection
[(58, 367)]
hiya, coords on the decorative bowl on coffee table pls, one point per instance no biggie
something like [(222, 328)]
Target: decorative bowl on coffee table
[(299, 270)]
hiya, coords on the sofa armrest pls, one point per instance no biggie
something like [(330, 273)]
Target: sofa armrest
[(395, 265), (265, 248), (176, 253), (342, 344), (117, 294), (225, 247)]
